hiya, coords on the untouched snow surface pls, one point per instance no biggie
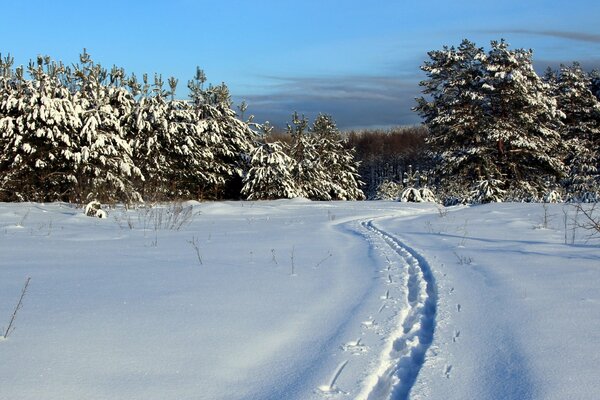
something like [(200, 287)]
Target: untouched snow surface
[(299, 300)]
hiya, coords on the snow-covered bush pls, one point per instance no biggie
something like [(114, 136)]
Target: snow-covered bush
[(414, 195), (94, 209), (589, 197), (553, 196), (411, 195), (487, 191), (388, 190), (427, 195)]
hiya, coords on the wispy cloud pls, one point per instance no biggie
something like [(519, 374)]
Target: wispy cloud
[(354, 101), (579, 36), (587, 64)]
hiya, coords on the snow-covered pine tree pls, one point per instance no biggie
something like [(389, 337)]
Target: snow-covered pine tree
[(415, 187), (595, 82), (388, 190), (580, 132), (491, 118), (522, 122), (9, 98), (232, 139), (152, 142), (270, 174), (311, 178), (455, 112), (38, 125), (105, 168), (336, 161), (192, 169)]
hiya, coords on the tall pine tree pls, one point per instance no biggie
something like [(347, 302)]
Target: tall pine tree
[(580, 131)]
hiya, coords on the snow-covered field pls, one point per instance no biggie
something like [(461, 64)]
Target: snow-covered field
[(299, 300)]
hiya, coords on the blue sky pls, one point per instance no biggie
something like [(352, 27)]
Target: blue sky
[(356, 60)]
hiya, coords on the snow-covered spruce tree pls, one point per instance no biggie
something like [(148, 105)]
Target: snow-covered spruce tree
[(580, 132), (105, 168), (231, 139), (270, 175), (336, 161), (38, 128)]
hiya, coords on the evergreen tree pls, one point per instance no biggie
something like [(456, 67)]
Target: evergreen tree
[(595, 83), (492, 119), (151, 139), (270, 174), (38, 125), (455, 112), (309, 174), (524, 121), (192, 171), (581, 130), (336, 161), (232, 140), (105, 169)]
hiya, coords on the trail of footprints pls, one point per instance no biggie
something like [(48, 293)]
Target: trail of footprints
[(410, 285)]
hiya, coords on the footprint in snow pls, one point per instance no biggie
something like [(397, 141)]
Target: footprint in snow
[(447, 371), (456, 335), (369, 323), (355, 346)]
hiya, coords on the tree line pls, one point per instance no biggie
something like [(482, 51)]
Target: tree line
[(83, 132), (493, 130)]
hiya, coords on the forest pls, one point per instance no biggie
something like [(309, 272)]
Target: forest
[(493, 130)]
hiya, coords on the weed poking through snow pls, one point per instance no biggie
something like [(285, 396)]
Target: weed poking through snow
[(10, 327)]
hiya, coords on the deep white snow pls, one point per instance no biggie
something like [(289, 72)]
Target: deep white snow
[(299, 300)]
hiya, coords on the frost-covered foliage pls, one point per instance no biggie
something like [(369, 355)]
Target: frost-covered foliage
[(308, 172), (595, 83), (491, 118), (82, 132), (230, 139)]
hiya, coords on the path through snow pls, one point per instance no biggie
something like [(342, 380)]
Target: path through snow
[(405, 350)]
